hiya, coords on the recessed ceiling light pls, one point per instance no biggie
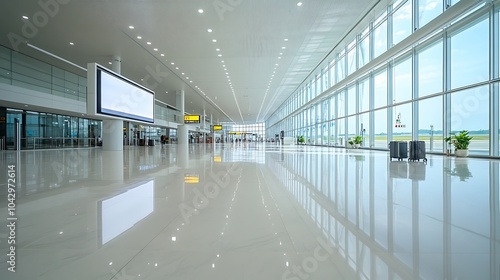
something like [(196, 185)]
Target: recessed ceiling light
[(71, 43), (279, 57), (187, 78), (276, 64), (25, 17), (200, 11), (155, 49), (281, 53), (182, 73), (139, 37), (209, 30), (299, 4), (286, 40), (177, 68), (283, 47), (131, 27), (149, 43), (217, 50), (220, 55), (172, 63), (166, 91), (222, 61), (190, 81), (162, 54), (110, 63), (215, 41)]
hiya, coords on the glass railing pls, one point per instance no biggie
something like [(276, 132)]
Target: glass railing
[(30, 143), (23, 71)]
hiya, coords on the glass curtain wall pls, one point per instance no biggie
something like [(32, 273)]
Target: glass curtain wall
[(444, 82), (49, 131)]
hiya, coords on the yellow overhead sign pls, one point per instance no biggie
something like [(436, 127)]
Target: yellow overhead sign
[(192, 119), (217, 127)]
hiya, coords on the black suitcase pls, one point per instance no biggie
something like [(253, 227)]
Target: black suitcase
[(417, 151), (398, 149)]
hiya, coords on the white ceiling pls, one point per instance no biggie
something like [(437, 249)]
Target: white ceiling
[(250, 35)]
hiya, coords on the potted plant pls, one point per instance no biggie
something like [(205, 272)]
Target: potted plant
[(461, 142), (301, 140), (355, 141)]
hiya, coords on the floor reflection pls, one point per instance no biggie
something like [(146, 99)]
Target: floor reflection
[(393, 219)]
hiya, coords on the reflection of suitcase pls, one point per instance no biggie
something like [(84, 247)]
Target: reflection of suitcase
[(417, 151), (398, 149), (417, 171), (398, 169)]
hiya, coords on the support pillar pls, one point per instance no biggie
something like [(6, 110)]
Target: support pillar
[(112, 130), (112, 139)]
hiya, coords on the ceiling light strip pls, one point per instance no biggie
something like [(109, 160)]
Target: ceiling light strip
[(55, 56)]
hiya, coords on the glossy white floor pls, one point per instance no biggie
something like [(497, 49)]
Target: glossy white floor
[(248, 212)]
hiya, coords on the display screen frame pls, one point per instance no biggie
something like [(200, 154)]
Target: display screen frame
[(121, 98)]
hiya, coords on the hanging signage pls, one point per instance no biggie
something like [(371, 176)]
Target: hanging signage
[(217, 127), (192, 119)]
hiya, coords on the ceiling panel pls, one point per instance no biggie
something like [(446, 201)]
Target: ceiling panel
[(263, 68)]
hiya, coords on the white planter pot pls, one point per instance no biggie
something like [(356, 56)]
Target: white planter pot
[(356, 146), (461, 153)]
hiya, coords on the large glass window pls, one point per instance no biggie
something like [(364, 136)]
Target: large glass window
[(430, 69), (325, 134), (332, 133), (325, 78), (341, 67), (332, 108), (380, 129), (402, 120), (351, 127), (325, 111), (341, 132), (430, 126), (351, 57), (380, 38), (428, 10), (313, 88), (332, 73), (402, 81), (364, 128), (470, 55), (364, 48), (470, 111), (364, 95), (5, 65), (380, 89), (351, 100), (341, 103), (401, 22)]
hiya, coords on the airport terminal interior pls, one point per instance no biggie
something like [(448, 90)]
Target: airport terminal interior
[(234, 139)]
